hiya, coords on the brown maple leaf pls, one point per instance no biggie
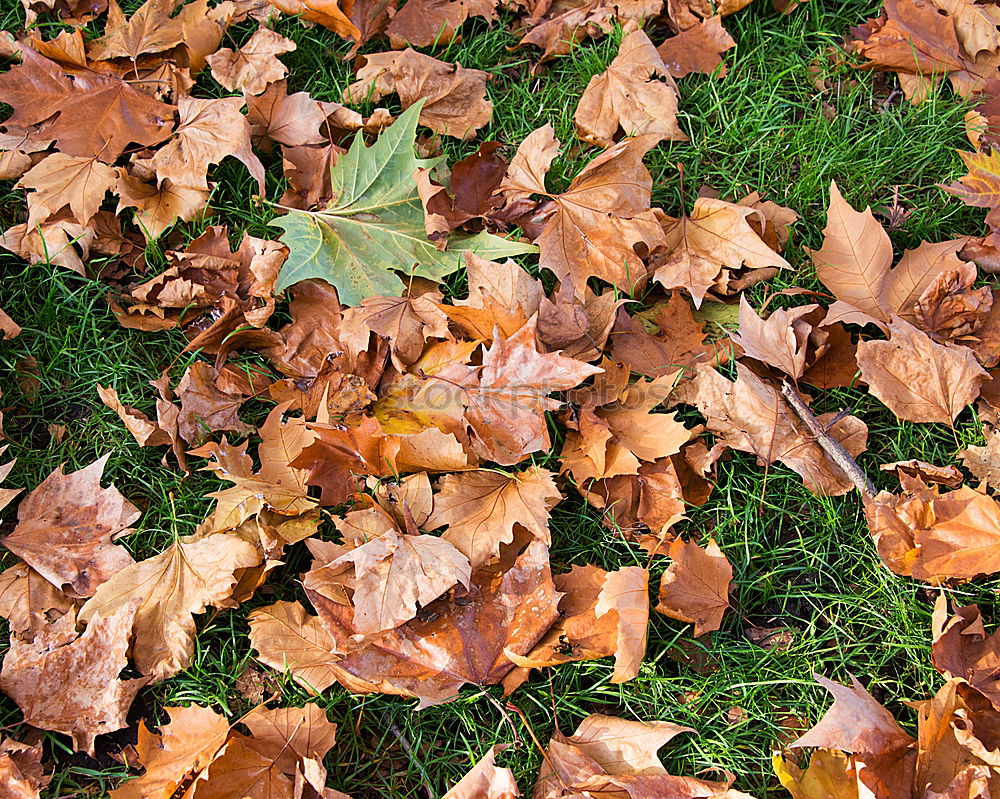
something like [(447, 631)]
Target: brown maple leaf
[(780, 341), (613, 756), (506, 409), (117, 114), (290, 640), (208, 131), (255, 65), (182, 749), (59, 180), (486, 780), (855, 263), (323, 12), (962, 649), (455, 640), (454, 97), (481, 508), (635, 94), (697, 49), (919, 379), (750, 415), (66, 527), (595, 225), (671, 341), (703, 248), (601, 613), (70, 684), (695, 587), (434, 22), (184, 579), (29, 602)]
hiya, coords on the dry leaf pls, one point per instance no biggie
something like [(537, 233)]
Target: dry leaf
[(697, 49), (255, 65), (186, 578), (70, 684), (480, 509), (917, 378), (695, 588), (289, 639), (635, 94), (485, 780), (66, 526)]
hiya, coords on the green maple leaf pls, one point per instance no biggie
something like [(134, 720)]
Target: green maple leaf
[(371, 233)]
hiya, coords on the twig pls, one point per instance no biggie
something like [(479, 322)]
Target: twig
[(833, 448)]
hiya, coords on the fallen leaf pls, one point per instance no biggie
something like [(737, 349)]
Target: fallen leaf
[(696, 49), (855, 263), (454, 98), (66, 527), (458, 640), (961, 649), (486, 780), (635, 94), (186, 578), (61, 179), (182, 749), (984, 462), (601, 614), (481, 508), (779, 341), (434, 22), (752, 416), (117, 114), (70, 684), (716, 236), (695, 587), (323, 12), (375, 199), (255, 65), (918, 379), (506, 410), (207, 132), (596, 223), (289, 639)]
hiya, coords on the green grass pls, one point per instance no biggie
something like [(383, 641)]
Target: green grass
[(801, 562)]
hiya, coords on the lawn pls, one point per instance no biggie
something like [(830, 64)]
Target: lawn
[(792, 114)]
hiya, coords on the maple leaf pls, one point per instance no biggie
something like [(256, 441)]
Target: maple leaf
[(613, 756), (676, 343), (696, 49), (70, 684), (407, 322), (373, 227), (935, 536), (855, 264), (288, 119), (182, 748), (285, 745), (716, 236), (918, 379), (485, 780), (158, 207), (278, 486), (949, 308), (208, 131), (595, 224), (255, 65), (66, 526), (612, 437), (184, 579), (600, 614), (29, 602), (505, 411), (117, 114), (961, 649), (751, 416), (459, 640), (984, 462), (21, 769), (695, 587), (635, 93), (454, 98), (289, 639), (323, 12), (780, 341), (393, 573), (481, 508), (7, 494), (61, 179), (150, 29), (980, 188), (434, 22)]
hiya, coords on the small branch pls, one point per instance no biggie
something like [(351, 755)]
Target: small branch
[(414, 760), (833, 448)]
